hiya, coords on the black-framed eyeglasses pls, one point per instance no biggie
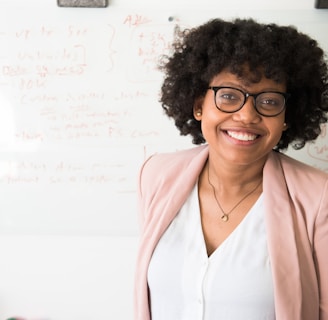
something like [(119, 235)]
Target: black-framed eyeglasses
[(267, 103)]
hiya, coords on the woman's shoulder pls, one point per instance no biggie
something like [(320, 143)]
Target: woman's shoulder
[(165, 168), (288, 178), (292, 166), (172, 160)]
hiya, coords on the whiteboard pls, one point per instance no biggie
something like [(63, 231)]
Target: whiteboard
[(79, 112)]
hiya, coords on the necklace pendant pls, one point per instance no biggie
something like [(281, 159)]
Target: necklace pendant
[(225, 217)]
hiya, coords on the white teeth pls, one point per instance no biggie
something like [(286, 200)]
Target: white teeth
[(242, 136)]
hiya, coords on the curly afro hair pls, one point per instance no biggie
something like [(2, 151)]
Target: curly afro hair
[(280, 53)]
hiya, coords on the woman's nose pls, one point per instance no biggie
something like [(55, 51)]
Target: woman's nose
[(248, 113)]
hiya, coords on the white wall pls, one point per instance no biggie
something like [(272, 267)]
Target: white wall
[(68, 226)]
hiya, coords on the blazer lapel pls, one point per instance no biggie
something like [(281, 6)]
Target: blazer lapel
[(166, 208), (173, 198), (279, 215)]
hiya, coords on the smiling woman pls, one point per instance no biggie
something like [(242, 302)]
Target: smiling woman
[(212, 219)]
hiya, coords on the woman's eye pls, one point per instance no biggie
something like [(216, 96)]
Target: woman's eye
[(228, 96), (269, 102)]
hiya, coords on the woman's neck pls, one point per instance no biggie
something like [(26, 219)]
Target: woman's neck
[(233, 178)]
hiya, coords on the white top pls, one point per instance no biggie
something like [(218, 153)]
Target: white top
[(234, 283)]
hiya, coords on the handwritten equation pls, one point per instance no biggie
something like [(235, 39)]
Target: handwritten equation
[(90, 172), (68, 83), (79, 113)]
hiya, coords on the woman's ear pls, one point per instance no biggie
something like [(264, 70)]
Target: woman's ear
[(198, 108)]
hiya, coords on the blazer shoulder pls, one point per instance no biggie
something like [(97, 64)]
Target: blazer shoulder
[(166, 162), (297, 167), (302, 180), (166, 167)]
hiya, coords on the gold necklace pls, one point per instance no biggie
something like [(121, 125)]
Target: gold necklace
[(225, 216)]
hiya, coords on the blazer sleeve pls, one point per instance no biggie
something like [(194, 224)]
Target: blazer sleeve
[(321, 253)]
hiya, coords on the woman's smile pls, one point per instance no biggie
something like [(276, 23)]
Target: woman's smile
[(241, 135)]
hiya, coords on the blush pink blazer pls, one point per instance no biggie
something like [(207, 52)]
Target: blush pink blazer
[(296, 215)]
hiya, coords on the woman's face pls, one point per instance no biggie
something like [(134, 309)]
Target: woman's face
[(245, 136)]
